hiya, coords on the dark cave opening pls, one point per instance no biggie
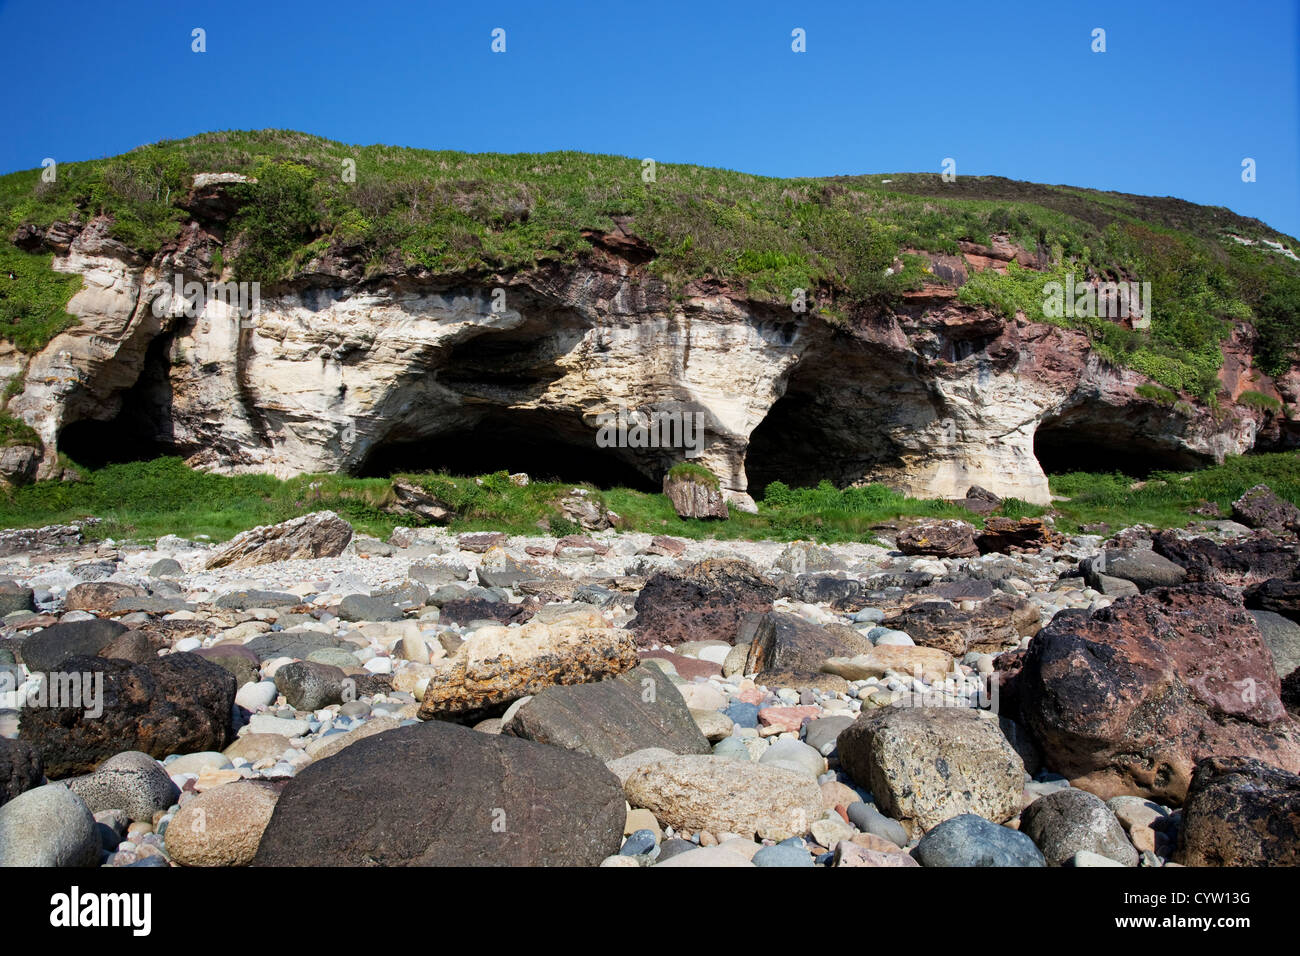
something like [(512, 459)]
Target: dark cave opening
[(140, 430), (1062, 446), (547, 447)]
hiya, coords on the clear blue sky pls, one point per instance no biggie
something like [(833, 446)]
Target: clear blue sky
[(1184, 92)]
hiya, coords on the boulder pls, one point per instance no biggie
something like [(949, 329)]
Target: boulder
[(1127, 700), (132, 782), (804, 557), (721, 795), (1282, 637), (45, 651), (970, 840), (1004, 535), (695, 498), (789, 645), (705, 602), (245, 599), (21, 768), (945, 539), (410, 499), (931, 663), (15, 597), (497, 665), (321, 534), (48, 826), (925, 765), (99, 595), (1242, 562), (1240, 812), (221, 827), (1142, 567), (438, 794), (1261, 508), (1072, 821), (631, 711), (307, 685), (174, 704), (1279, 595)]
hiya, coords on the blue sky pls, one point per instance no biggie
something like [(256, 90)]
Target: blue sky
[(1182, 94)]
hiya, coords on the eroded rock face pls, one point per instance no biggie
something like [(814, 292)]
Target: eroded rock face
[(931, 397), (1128, 700)]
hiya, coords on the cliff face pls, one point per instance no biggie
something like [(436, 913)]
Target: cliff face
[(339, 373)]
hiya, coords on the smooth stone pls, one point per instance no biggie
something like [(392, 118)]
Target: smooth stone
[(48, 826)]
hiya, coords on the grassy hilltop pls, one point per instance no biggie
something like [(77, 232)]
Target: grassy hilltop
[(480, 214)]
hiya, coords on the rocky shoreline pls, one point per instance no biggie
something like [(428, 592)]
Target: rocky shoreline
[(303, 695)]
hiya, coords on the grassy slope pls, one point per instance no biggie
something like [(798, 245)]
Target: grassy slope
[(455, 212), (144, 500)]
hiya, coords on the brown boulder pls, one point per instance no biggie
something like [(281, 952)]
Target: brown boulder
[(703, 603), (321, 534), (944, 539), (1127, 700), (98, 595), (1261, 508), (693, 498), (1240, 812), (1009, 534), (788, 645)]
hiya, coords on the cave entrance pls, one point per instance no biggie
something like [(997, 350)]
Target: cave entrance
[(545, 445), (831, 424), (1067, 444), (142, 427)]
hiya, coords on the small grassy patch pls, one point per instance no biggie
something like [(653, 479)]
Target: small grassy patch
[(33, 304), (690, 471)]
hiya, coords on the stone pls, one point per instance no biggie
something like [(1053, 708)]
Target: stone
[(410, 499), (705, 857), (438, 794), (868, 819), (788, 645), (99, 595), (243, 600), (497, 665), (1277, 595), (794, 755), (21, 768), (328, 746), (174, 704), (15, 597), (695, 497), (704, 602), (321, 534), (166, 568), (362, 607), (291, 643), (307, 685), (1261, 508), (622, 767), (1127, 700), (802, 557), (714, 725), (612, 718), (221, 827), (1003, 535), (130, 646), (132, 782), (782, 855), (734, 662), (48, 826), (1240, 812), (926, 765), (848, 853), (943, 538), (47, 650), (481, 542), (971, 840), (822, 733), (1143, 567), (692, 793), (256, 695), (1067, 822), (930, 663), (257, 747), (1282, 637), (787, 719)]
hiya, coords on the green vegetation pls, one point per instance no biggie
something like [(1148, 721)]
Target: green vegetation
[(33, 304), (1259, 400), (15, 432), (143, 500), (1157, 393), (839, 238), (689, 471), (1167, 498)]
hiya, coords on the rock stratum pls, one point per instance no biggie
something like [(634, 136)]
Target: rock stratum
[(343, 365)]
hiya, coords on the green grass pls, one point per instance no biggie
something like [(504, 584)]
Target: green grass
[(15, 432), (690, 471), (1167, 498), (1259, 400), (144, 500), (33, 304), (479, 215)]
